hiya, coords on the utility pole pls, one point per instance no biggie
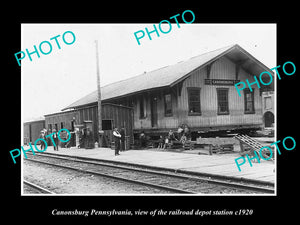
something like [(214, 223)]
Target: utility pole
[(100, 131)]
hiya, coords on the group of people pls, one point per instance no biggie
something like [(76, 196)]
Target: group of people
[(63, 136), (86, 139), (119, 139), (183, 134), (44, 132)]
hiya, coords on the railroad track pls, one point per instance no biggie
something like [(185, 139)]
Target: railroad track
[(37, 188), (165, 180)]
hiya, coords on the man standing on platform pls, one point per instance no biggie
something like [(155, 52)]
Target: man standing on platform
[(89, 139), (117, 137), (42, 136), (55, 138), (122, 132)]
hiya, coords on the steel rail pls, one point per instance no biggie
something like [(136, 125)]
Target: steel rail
[(176, 190), (212, 179), (38, 187)]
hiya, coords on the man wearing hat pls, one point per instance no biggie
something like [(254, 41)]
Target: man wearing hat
[(42, 135), (55, 138), (117, 138)]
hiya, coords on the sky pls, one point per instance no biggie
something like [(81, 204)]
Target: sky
[(56, 80)]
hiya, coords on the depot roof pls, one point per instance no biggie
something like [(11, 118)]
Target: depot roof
[(171, 75)]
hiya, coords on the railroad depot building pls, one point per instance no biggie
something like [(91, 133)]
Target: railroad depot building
[(198, 92), (87, 116)]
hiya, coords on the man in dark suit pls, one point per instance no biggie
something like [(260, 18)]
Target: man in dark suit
[(143, 141), (117, 138), (122, 132), (42, 136), (89, 139), (55, 138)]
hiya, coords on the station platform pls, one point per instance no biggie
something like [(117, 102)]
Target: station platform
[(189, 161)]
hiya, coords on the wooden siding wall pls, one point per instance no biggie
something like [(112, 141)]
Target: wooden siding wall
[(162, 120), (222, 68), (26, 133), (120, 116), (65, 117), (32, 130), (89, 113)]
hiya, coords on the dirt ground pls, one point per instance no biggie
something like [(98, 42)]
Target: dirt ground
[(63, 181)]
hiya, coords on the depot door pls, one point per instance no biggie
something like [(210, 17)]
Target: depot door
[(153, 105), (269, 119)]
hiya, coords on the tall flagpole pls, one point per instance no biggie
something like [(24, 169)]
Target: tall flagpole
[(100, 132)]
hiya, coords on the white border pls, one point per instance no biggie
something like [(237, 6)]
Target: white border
[(189, 195)]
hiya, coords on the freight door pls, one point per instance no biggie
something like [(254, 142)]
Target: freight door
[(153, 105)]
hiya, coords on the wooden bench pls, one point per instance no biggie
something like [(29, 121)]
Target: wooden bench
[(187, 145)]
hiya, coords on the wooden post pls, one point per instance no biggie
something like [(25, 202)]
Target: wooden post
[(242, 147), (100, 132)]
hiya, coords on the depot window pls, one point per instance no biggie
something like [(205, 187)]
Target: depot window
[(106, 124), (168, 104), (194, 101), (249, 101), (222, 95)]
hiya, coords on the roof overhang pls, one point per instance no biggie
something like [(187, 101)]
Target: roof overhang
[(174, 75), (242, 58)]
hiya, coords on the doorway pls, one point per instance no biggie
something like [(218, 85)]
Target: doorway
[(153, 106), (269, 119)]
